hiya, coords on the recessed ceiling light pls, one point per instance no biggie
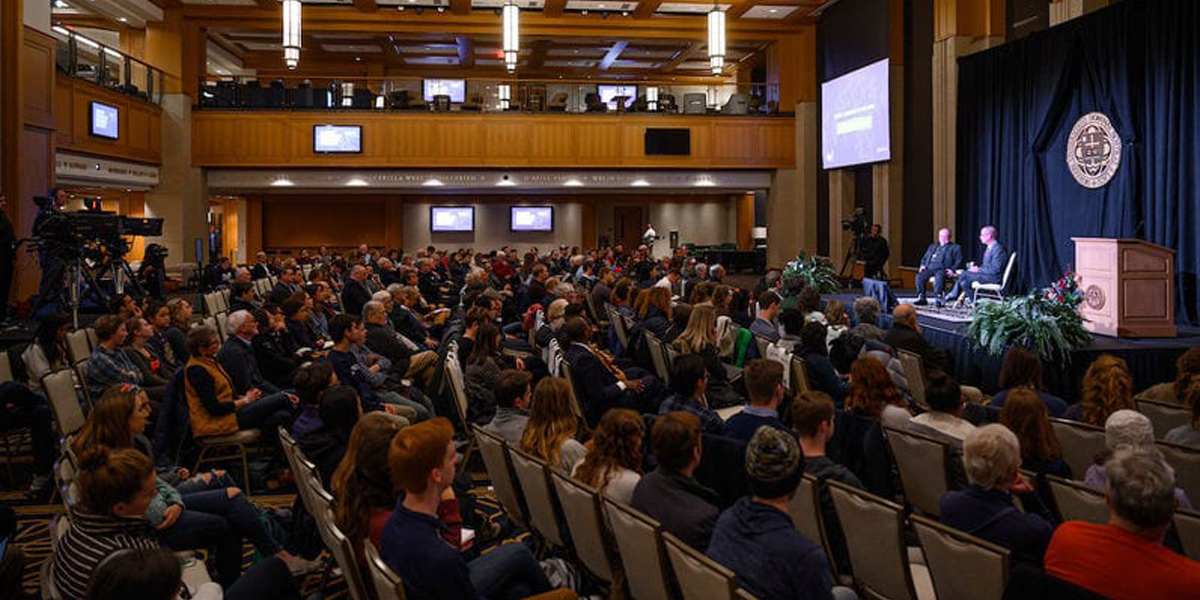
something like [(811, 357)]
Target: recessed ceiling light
[(432, 182), (356, 182), (573, 183), (357, 59), (122, 19), (640, 183), (282, 182), (704, 183), (773, 10), (506, 182)]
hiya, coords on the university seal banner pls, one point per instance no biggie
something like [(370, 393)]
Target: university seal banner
[(1093, 150)]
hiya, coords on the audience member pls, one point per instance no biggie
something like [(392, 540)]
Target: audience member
[(159, 316), (945, 408), (513, 395), (689, 380), (815, 352), (275, 350), (310, 381), (670, 494), (1025, 414), (1124, 428), (154, 375), (109, 365), (603, 384), (838, 322), (348, 335), (48, 351), (483, 370), (613, 466), (550, 431), (756, 539), (212, 406), (181, 322), (764, 384), (992, 458), (768, 311), (1125, 559), (1022, 369), (1186, 366), (326, 445), (1189, 395), (354, 292), (905, 334), (813, 418), (1107, 388), (866, 312), (873, 394), (700, 339), (655, 315)]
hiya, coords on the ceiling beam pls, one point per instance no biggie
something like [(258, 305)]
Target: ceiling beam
[(165, 4), (645, 8), (688, 53), (735, 12), (537, 56), (613, 54), (554, 8), (460, 7), (466, 52)]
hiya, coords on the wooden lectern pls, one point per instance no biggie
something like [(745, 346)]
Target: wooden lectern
[(1128, 287)]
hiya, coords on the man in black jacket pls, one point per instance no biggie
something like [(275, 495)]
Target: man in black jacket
[(289, 283), (386, 343), (602, 388), (237, 356), (905, 334), (355, 293), (874, 253), (241, 297), (941, 259), (671, 494)]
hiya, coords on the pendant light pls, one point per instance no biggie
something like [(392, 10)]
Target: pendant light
[(512, 42), (716, 40), (291, 33)]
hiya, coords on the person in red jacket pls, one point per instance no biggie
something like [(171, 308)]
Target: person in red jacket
[(1125, 558)]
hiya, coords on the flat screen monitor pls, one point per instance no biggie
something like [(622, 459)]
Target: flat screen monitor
[(455, 88), (337, 139), (105, 120), (608, 93), (451, 218), (668, 142), (531, 218), (855, 119)]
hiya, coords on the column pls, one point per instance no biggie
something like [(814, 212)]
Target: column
[(961, 27), (745, 221), (792, 202), (887, 178), (841, 207)]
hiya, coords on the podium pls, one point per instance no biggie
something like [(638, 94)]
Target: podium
[(1128, 287)]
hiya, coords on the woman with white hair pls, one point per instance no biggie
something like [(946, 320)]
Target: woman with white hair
[(1124, 429), (992, 458)]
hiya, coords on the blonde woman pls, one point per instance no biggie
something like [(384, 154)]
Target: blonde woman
[(700, 338), (550, 431)]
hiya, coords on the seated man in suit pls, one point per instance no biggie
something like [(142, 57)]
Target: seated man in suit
[(237, 355), (995, 259), (289, 283), (941, 259), (602, 383), (355, 293), (905, 334)]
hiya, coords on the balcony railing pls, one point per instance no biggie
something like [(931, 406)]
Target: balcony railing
[(82, 57), (491, 96)]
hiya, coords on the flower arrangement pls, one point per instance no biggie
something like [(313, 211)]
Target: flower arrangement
[(810, 272), (1047, 322)]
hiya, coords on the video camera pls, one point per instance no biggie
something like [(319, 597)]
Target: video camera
[(71, 234), (858, 224)]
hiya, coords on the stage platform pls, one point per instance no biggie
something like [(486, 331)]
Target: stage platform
[(1150, 360)]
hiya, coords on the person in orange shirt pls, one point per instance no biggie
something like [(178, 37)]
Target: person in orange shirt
[(1125, 558)]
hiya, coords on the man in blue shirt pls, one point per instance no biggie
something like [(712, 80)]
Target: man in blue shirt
[(422, 461), (764, 383), (768, 311), (689, 379)]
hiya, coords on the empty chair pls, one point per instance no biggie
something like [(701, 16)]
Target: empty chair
[(342, 549), (581, 510), (914, 372), (1187, 524), (921, 461), (738, 104), (533, 475), (1080, 443), (1077, 502), (78, 346), (699, 577), (213, 449), (639, 543), (1164, 417), (874, 531), (64, 401), (558, 103), (495, 460), (695, 104), (962, 566), (223, 325)]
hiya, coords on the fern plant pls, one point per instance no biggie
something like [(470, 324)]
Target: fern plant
[(810, 272), (1047, 322)]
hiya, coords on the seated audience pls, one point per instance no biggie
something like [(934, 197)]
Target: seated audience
[(116, 488), (992, 457), (326, 445), (808, 301), (154, 375), (815, 352), (513, 394), (655, 315), (550, 431), (109, 365), (181, 322), (1025, 414), (768, 312), (680, 315), (1186, 366), (1189, 395), (1107, 387), (422, 460), (275, 350), (788, 343), (241, 297), (866, 312), (237, 355), (47, 352), (1125, 559), (355, 293), (363, 495), (813, 418), (945, 408), (613, 466), (670, 494), (367, 379), (603, 384), (483, 370), (146, 574), (298, 320), (764, 384), (700, 339), (872, 394), (212, 406), (159, 316), (1124, 428), (756, 539), (689, 379), (838, 322), (905, 334), (1022, 369), (288, 284), (310, 381)]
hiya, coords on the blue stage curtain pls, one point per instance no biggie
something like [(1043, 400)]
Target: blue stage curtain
[(1138, 62)]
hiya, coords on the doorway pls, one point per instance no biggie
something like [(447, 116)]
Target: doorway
[(627, 226)]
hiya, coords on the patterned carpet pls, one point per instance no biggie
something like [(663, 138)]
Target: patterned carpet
[(33, 534)]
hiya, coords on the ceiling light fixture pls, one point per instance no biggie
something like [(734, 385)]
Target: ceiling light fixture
[(640, 183), (573, 183), (291, 33), (432, 183), (716, 39), (282, 182), (505, 96), (356, 182), (512, 41)]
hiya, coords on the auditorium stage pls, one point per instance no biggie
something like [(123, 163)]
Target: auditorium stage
[(1150, 360)]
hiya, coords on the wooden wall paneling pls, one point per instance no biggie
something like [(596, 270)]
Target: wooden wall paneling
[(745, 222), (268, 142), (459, 141), (394, 222), (347, 221), (37, 74), (65, 117), (254, 225), (139, 126), (552, 143), (599, 142), (589, 226), (506, 143)]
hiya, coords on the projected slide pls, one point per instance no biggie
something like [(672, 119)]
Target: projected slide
[(609, 93), (451, 218), (854, 117), (337, 139), (455, 88), (105, 121), (531, 218)]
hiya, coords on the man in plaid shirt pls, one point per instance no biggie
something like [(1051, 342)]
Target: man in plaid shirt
[(689, 378), (108, 365)]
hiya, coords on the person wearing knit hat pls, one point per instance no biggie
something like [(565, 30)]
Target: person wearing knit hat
[(1125, 429), (756, 538)]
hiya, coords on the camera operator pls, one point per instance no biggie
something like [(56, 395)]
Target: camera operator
[(8, 254), (874, 252), (51, 265)]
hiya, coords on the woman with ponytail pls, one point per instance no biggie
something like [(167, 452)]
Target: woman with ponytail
[(204, 511), (1107, 388)]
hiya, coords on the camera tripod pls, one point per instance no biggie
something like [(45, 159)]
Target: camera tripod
[(82, 279), (851, 254)]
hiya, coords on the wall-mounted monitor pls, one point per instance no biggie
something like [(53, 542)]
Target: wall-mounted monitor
[(609, 93), (676, 141), (531, 218), (855, 123), (455, 88), (337, 139), (104, 120), (451, 218)]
